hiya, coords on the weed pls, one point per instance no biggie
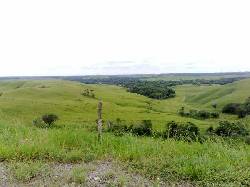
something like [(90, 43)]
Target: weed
[(78, 175), (25, 171)]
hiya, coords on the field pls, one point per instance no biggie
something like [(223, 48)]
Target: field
[(71, 153)]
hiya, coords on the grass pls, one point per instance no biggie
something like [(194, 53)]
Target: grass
[(78, 175), (25, 171), (28, 148), (211, 162)]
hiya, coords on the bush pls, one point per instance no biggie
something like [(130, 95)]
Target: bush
[(144, 129), (214, 115), (88, 93), (119, 128), (247, 140), (242, 112), (49, 119), (39, 123), (1, 93), (228, 129), (187, 132), (231, 108), (210, 130), (214, 105), (198, 114)]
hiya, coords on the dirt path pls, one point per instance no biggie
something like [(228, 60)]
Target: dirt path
[(96, 174)]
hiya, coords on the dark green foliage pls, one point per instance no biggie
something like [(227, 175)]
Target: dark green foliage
[(214, 105), (214, 115), (151, 89), (231, 108), (119, 128), (178, 131), (46, 121), (143, 129), (1, 93), (182, 111), (49, 119), (88, 93), (242, 110), (123, 80), (231, 129), (198, 114), (247, 140), (210, 130)]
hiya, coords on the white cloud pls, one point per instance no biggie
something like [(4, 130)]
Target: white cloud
[(59, 37)]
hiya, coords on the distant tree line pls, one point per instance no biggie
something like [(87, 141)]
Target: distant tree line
[(153, 89), (125, 80)]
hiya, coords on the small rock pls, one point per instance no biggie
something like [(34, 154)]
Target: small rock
[(96, 178)]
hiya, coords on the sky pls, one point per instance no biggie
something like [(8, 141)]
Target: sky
[(85, 37)]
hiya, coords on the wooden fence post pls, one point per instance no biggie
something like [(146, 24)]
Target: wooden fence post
[(99, 122)]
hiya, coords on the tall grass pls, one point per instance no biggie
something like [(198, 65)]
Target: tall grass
[(217, 162)]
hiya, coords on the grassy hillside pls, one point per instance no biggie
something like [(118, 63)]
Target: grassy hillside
[(24, 100), (211, 163)]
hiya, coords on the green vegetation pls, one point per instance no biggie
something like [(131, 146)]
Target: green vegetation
[(198, 114), (186, 132), (228, 129), (25, 171), (242, 110), (216, 161), (78, 175), (88, 93)]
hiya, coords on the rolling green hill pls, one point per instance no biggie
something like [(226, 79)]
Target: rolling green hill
[(24, 100), (213, 163)]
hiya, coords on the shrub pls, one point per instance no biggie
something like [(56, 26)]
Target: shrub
[(214, 115), (182, 111), (88, 93), (228, 129), (210, 130), (214, 105), (188, 131), (231, 108), (203, 114), (144, 129), (1, 93), (198, 114), (242, 112), (38, 122), (49, 119), (119, 129), (247, 140)]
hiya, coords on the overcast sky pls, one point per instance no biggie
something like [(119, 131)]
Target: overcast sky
[(58, 37)]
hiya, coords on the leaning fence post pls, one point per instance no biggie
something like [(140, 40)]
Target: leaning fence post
[(99, 122)]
